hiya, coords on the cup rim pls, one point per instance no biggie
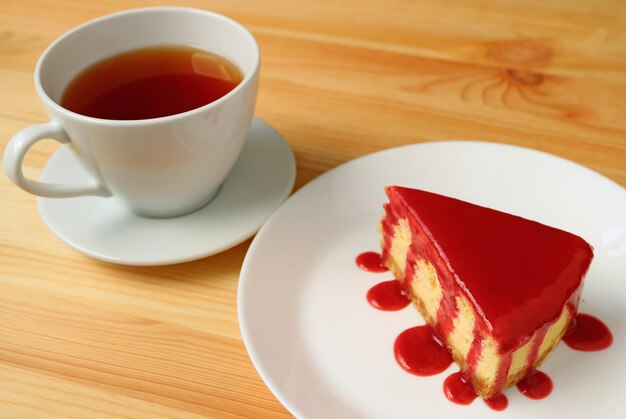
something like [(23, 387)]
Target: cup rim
[(162, 119)]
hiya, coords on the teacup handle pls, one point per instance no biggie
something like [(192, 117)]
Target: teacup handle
[(16, 151)]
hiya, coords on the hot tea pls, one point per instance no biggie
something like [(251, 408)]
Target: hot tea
[(151, 83)]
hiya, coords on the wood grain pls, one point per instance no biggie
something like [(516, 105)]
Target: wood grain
[(82, 338)]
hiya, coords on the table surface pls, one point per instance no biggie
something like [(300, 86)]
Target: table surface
[(340, 79)]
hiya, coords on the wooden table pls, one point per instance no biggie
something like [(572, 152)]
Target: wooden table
[(340, 79)]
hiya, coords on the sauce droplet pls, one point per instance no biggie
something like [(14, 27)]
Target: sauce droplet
[(535, 386), (388, 296), (371, 262), (420, 353), (588, 333), (498, 402), (457, 390)]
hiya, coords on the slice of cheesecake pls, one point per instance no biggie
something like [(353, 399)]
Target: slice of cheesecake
[(499, 290)]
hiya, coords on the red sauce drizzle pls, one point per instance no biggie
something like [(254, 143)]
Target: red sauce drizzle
[(371, 262), (418, 351), (535, 386), (473, 355), (533, 353), (388, 296), (534, 349), (457, 390), (587, 333), (498, 402)]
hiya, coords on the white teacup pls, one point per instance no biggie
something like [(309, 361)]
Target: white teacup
[(159, 167)]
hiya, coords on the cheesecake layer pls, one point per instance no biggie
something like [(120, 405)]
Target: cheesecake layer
[(499, 290)]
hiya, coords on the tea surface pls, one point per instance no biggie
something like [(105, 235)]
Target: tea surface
[(150, 83)]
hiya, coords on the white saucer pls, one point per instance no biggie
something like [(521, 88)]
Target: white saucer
[(104, 229), (325, 352)]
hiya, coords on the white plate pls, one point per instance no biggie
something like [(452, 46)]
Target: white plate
[(326, 353), (104, 229)]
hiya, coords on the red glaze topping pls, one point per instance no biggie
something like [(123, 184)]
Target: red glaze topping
[(388, 296), (588, 333), (458, 390), (420, 353), (535, 386), (371, 262), (518, 273)]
